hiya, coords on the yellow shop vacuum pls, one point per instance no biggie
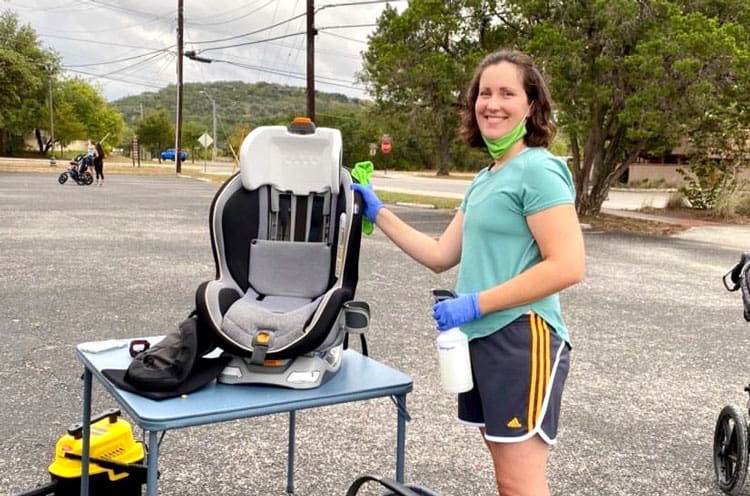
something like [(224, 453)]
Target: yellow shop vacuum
[(116, 458)]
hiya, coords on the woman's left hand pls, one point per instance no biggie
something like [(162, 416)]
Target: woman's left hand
[(456, 311)]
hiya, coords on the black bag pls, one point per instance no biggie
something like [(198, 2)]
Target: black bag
[(172, 367), (396, 488)]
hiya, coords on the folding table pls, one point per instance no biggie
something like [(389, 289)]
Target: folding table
[(359, 378)]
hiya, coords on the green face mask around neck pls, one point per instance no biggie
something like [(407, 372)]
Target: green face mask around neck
[(500, 146)]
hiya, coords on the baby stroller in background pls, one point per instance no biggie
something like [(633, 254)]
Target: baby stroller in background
[(731, 449), (78, 171)]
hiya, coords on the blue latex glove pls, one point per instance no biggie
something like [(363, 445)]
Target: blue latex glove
[(371, 200), (456, 311)]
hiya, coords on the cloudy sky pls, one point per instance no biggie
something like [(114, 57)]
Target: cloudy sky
[(127, 47)]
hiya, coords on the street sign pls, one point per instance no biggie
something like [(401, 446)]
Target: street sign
[(385, 144), (373, 149), (205, 140), (134, 153)]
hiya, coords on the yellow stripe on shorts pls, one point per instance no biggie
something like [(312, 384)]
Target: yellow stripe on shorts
[(540, 368)]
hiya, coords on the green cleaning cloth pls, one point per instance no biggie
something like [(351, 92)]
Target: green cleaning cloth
[(362, 172)]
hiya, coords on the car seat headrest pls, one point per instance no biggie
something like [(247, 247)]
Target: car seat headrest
[(292, 162)]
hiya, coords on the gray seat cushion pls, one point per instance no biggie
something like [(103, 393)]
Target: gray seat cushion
[(282, 317)]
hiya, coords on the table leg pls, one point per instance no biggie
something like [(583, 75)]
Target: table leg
[(290, 454), (400, 436), (86, 432), (152, 473)]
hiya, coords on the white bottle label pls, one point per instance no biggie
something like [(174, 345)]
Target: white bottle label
[(454, 361)]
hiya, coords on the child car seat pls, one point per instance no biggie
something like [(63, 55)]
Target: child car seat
[(285, 232)]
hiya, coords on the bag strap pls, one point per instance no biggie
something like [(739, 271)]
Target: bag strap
[(397, 488), (362, 340)]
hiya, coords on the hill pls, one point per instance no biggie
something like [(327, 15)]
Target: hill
[(251, 104)]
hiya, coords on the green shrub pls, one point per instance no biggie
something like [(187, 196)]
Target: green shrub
[(677, 200)]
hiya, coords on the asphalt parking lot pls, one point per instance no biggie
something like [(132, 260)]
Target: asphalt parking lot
[(659, 346)]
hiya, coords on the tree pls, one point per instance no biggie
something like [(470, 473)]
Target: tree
[(23, 77), (68, 125), (630, 77), (235, 138), (90, 107), (191, 131), (155, 132), (415, 65)]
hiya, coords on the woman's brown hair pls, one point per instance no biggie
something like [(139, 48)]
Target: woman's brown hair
[(539, 126)]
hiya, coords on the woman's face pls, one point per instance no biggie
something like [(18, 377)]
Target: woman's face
[(501, 101)]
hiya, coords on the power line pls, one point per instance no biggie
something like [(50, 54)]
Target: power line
[(198, 21), (120, 80), (273, 18), (347, 38), (289, 63), (243, 35), (347, 26), (117, 61), (350, 4), (295, 75), (97, 42), (235, 19), (151, 58), (255, 42), (38, 10), (121, 28), (120, 8)]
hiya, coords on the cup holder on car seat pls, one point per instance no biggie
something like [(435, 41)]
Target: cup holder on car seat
[(356, 317)]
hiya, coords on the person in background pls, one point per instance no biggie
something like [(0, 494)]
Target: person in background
[(517, 242), (99, 163)]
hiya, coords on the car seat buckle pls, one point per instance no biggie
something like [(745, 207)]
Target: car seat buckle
[(262, 340)]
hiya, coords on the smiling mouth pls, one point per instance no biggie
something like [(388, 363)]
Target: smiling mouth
[(495, 118)]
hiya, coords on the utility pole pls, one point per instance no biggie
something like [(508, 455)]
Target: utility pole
[(178, 127), (52, 162), (311, 32), (213, 114)]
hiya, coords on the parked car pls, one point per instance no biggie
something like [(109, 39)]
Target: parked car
[(168, 154)]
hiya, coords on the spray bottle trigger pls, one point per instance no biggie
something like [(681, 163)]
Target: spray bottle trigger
[(443, 294)]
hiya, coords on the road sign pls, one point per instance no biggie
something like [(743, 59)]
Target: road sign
[(205, 140), (373, 149), (385, 144)]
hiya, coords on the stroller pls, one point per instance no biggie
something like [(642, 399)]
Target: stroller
[(78, 171), (731, 448)]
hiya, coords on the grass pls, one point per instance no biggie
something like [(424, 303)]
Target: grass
[(599, 222), (437, 202)]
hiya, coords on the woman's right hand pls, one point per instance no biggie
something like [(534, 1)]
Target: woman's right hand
[(370, 199)]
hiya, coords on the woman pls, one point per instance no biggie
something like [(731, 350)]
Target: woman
[(518, 243), (99, 163)]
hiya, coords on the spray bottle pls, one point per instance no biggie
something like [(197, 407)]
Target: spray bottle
[(453, 353)]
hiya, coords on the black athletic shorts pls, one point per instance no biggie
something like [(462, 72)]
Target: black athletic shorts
[(519, 373)]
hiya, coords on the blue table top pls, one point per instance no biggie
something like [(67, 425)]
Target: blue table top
[(359, 378)]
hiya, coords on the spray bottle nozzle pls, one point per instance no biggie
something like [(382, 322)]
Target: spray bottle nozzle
[(443, 294)]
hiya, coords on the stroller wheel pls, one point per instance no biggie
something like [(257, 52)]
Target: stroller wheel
[(63, 177), (730, 450), (88, 179)]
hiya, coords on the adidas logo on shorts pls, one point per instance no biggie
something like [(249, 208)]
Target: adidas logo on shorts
[(514, 423)]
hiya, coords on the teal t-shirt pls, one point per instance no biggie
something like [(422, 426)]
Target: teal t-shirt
[(497, 244)]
